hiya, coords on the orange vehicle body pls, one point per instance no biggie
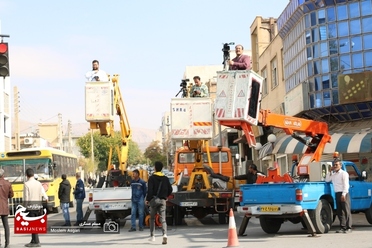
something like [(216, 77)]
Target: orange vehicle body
[(318, 131), (184, 159)]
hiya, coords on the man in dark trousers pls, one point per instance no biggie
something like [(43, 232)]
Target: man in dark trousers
[(139, 190), (340, 182), (6, 192), (64, 193), (159, 188), (79, 193)]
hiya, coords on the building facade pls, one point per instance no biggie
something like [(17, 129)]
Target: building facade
[(326, 72)]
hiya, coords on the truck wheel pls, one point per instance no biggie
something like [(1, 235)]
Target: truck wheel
[(295, 220), (100, 218), (270, 225), (368, 213), (178, 215), (222, 218), (322, 217), (169, 213), (199, 212)]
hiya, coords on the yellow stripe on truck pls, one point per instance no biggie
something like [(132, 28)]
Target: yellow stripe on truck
[(202, 123)]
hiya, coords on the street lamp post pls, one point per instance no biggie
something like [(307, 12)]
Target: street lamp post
[(167, 141), (92, 148)]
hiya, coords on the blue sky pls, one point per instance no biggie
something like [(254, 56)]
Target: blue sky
[(149, 43)]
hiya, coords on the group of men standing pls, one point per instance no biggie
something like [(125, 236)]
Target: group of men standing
[(34, 194)]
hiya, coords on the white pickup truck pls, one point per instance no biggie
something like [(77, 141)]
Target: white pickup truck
[(109, 203)]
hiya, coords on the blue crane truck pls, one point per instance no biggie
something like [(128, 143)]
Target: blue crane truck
[(275, 203), (302, 196)]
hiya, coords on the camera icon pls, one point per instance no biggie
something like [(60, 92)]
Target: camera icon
[(111, 227)]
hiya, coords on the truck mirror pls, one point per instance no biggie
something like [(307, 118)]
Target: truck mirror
[(364, 175)]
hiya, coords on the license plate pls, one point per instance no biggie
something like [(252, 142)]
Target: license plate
[(115, 206), (188, 204), (269, 209)]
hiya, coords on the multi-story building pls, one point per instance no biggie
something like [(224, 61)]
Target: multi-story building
[(322, 71)]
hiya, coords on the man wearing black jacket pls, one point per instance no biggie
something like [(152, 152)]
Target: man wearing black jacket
[(158, 190), (64, 193), (251, 176)]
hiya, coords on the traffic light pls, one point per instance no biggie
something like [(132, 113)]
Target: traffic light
[(4, 60)]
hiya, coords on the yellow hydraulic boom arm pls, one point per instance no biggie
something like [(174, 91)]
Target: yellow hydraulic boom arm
[(125, 130), (107, 128)]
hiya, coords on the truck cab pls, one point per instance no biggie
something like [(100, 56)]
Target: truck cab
[(185, 161)]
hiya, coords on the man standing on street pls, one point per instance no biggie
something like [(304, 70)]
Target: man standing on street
[(32, 195), (79, 193), (340, 181), (64, 193), (139, 190), (6, 192), (159, 188)]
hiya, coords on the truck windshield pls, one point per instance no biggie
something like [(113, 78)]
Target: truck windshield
[(14, 171), (189, 157)]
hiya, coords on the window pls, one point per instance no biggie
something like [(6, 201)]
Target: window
[(325, 66), (366, 24), (355, 27), (345, 63), (274, 73), (264, 82), (354, 9), (282, 56), (367, 40), (366, 8), (357, 60), (331, 14), (342, 12), (282, 161), (334, 63), (368, 59), (343, 29), (356, 43), (321, 16), (325, 82), (324, 49), (332, 31)]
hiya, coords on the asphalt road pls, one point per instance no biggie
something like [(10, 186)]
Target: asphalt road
[(205, 233)]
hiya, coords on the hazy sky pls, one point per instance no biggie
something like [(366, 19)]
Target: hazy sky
[(149, 43)]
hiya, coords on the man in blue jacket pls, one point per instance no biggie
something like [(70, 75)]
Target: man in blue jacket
[(139, 191), (79, 193)]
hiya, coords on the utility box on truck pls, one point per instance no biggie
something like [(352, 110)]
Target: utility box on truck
[(191, 119), (238, 96), (99, 101)]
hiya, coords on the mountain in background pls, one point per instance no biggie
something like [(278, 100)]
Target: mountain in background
[(142, 136)]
